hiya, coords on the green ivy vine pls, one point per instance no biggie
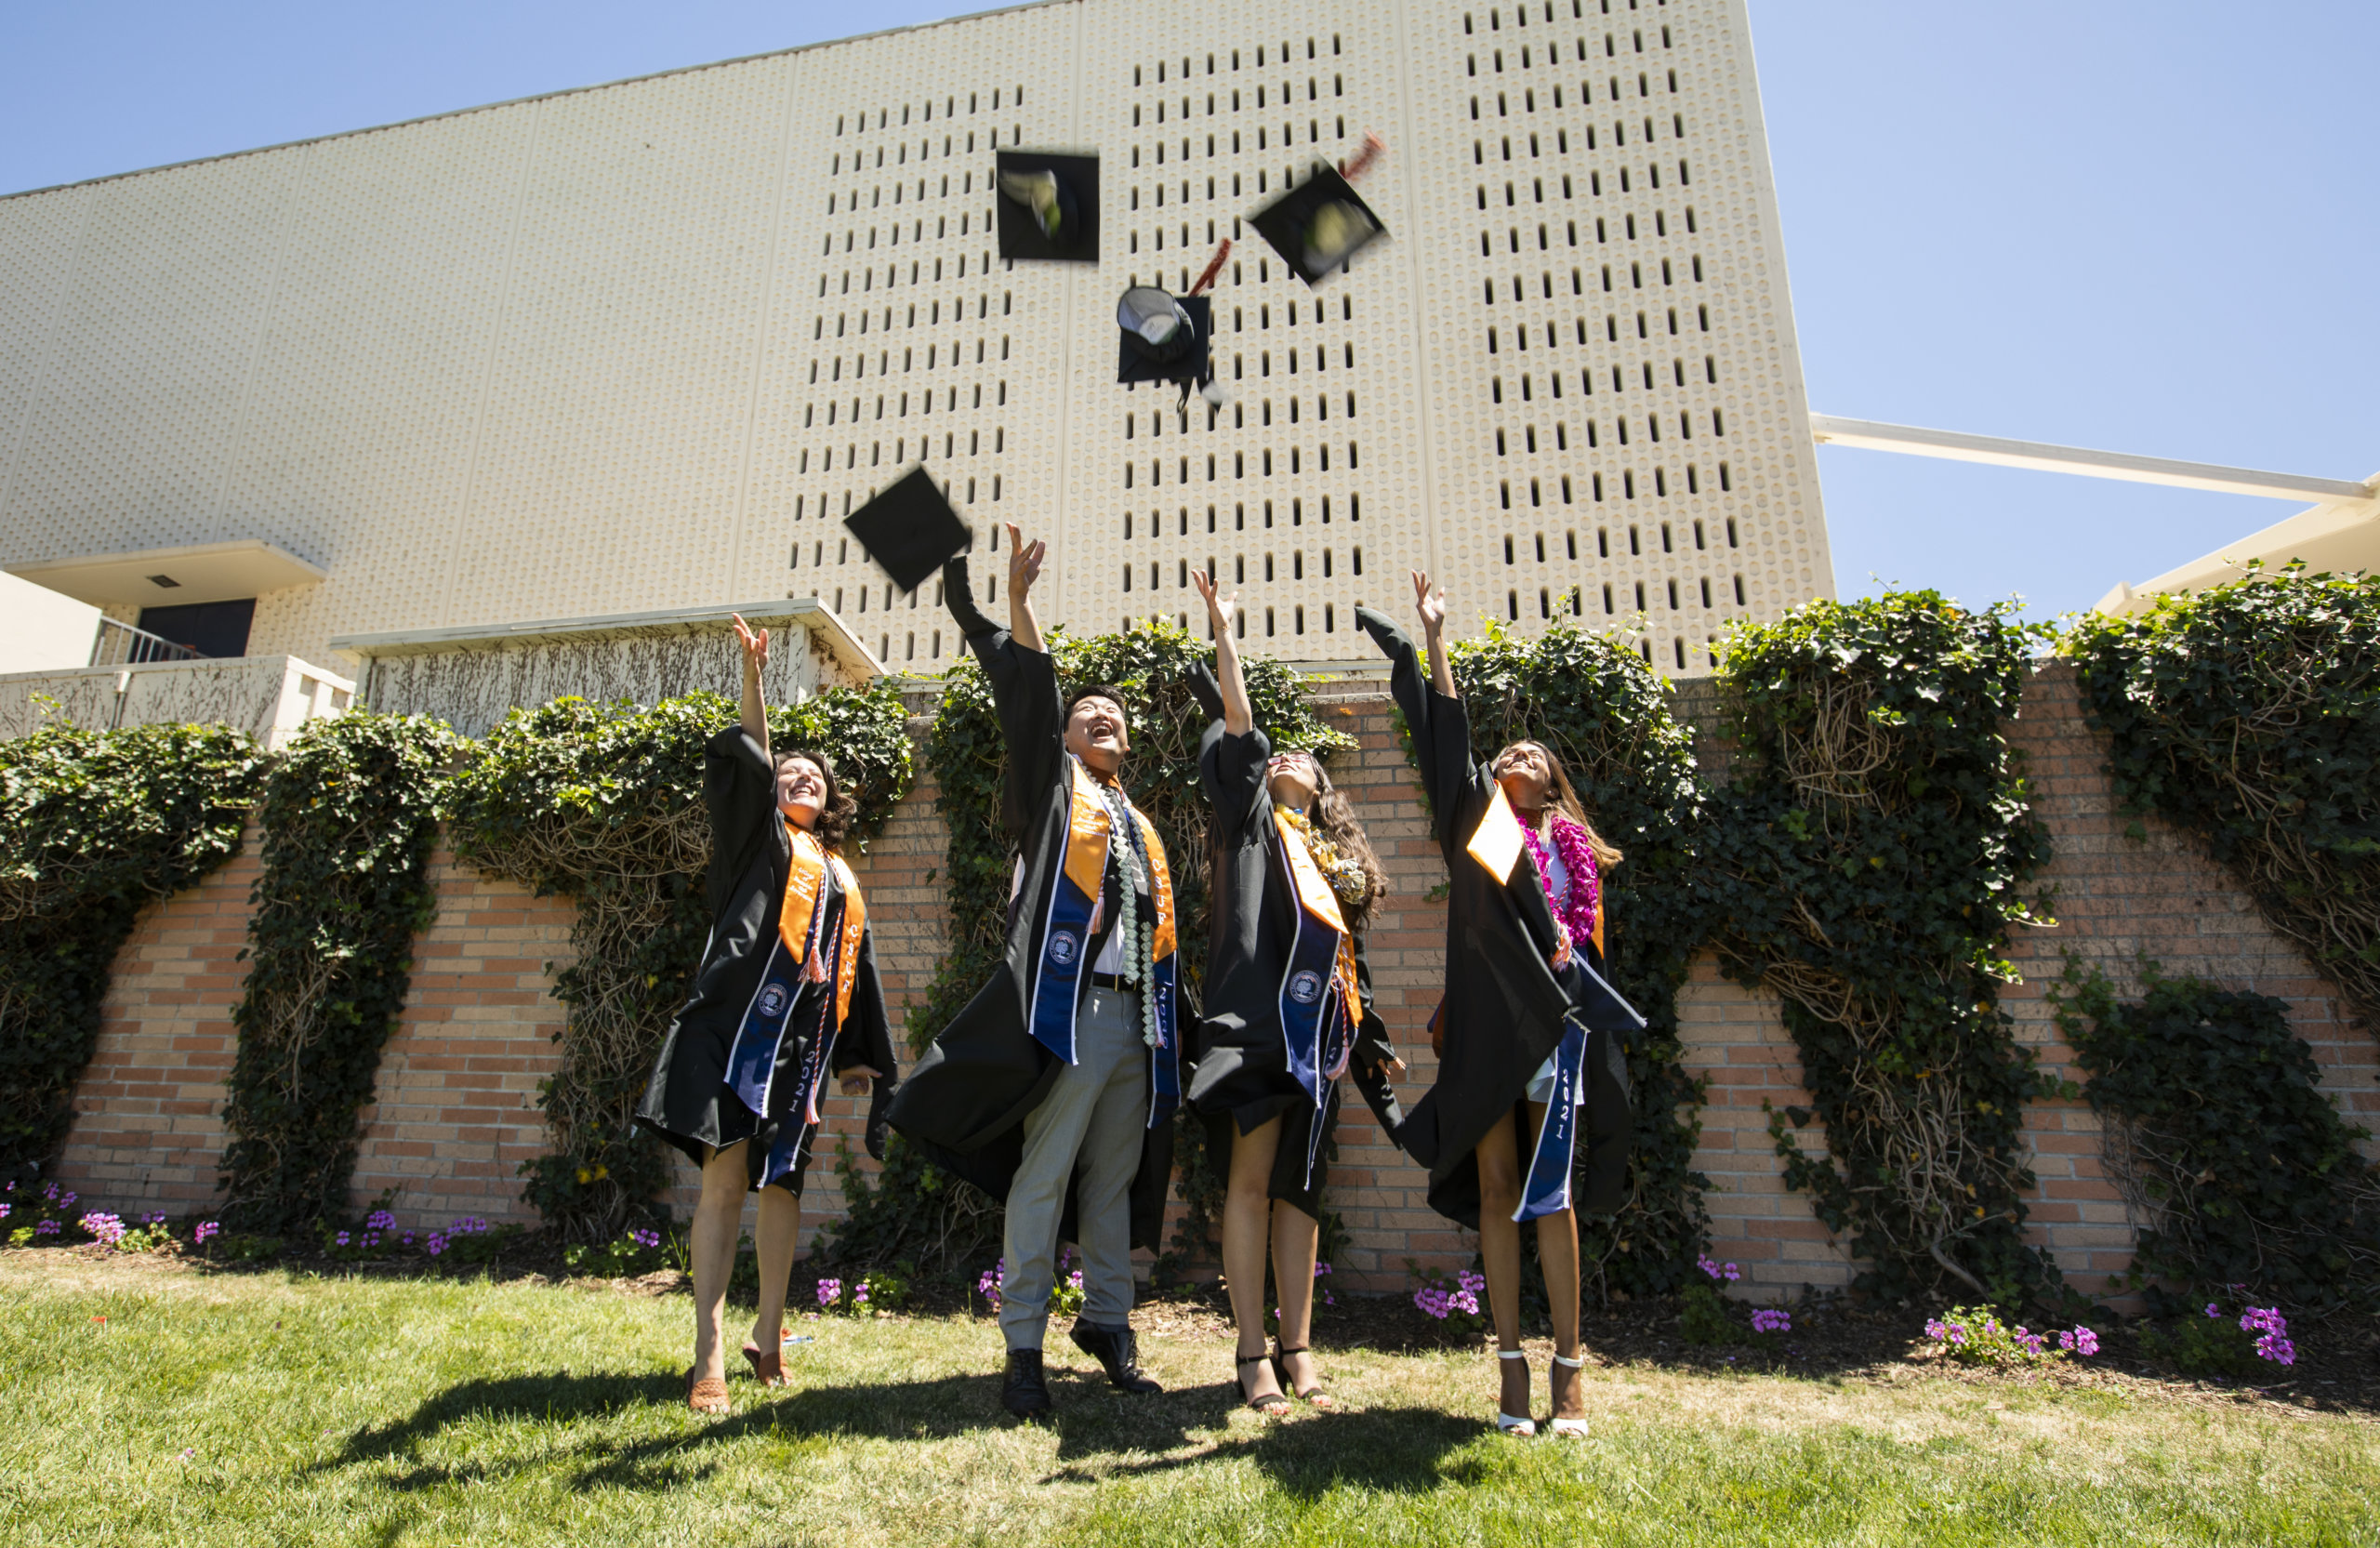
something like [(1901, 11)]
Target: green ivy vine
[(2249, 1174), (1868, 866), (94, 826), (2249, 715), (603, 804), (350, 816), (1611, 719), (968, 757)]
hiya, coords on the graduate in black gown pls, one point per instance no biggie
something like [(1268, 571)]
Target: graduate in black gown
[(1054, 1088), (1288, 1008), (786, 996), (1532, 1101)]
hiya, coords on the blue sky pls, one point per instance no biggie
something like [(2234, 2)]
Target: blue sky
[(2150, 227)]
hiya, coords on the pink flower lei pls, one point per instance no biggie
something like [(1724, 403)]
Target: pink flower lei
[(1576, 914)]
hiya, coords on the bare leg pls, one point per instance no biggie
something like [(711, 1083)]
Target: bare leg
[(1500, 1249), (780, 1224), (1248, 1205), (1557, 1252), (716, 1215), (1295, 1237)]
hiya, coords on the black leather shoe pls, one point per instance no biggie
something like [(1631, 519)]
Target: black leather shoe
[(1118, 1353), (1022, 1392)]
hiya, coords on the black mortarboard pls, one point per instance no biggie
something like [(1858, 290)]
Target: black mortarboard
[(908, 529), (1049, 206), (1162, 337), (1319, 225)]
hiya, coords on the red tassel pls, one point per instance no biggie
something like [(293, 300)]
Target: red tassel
[(1361, 162), (1215, 266)]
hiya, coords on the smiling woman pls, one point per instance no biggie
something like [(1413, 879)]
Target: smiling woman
[(786, 993)]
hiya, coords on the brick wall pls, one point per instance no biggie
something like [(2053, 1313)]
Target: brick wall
[(2116, 899), (147, 1126), (455, 1112)]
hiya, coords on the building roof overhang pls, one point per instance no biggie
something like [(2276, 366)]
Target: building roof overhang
[(165, 577), (812, 614)]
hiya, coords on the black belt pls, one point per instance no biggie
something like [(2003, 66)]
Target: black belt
[(1112, 981)]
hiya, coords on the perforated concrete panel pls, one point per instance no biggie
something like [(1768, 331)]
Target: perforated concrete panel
[(644, 345)]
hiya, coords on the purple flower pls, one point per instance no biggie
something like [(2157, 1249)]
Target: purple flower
[(2080, 1341), (2212, 1310), (46, 1228), (1769, 1319), (380, 1220), (205, 1229), (829, 1292), (103, 1226), (2278, 1350)]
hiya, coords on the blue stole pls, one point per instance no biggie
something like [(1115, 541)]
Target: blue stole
[(1547, 1190), (1313, 1019), (752, 1058), (1066, 938)]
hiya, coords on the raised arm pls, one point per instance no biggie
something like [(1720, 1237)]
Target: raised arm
[(1238, 717), (1023, 679), (1024, 569), (1433, 608), (756, 657)]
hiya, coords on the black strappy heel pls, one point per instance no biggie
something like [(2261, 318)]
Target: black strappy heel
[(1313, 1396), (1271, 1405)]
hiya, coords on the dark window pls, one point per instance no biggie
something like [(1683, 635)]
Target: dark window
[(218, 630)]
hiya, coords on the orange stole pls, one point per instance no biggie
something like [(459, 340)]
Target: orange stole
[(1316, 898), (806, 883), (1088, 826)]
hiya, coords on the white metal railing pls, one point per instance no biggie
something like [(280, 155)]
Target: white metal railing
[(120, 645)]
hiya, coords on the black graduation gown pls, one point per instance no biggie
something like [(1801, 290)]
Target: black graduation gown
[(687, 1102), (965, 1103), (1241, 1075), (1504, 1004)]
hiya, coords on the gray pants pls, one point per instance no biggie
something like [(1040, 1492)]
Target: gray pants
[(1095, 1114)]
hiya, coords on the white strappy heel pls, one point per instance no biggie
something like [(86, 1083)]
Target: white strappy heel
[(1572, 1429), (1523, 1428)]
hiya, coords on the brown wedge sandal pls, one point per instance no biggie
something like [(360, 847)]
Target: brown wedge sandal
[(707, 1395), (1313, 1396), (1271, 1405), (768, 1369)]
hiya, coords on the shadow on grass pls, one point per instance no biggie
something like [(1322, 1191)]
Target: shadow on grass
[(1099, 1432)]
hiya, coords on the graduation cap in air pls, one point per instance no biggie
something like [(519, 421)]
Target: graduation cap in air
[(1162, 337), (1049, 206), (1320, 224), (909, 529)]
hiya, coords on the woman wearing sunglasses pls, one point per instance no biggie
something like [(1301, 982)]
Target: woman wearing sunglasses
[(1288, 1008)]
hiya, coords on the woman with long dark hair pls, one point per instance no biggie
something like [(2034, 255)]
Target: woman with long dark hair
[(1287, 1010), (786, 996), (1531, 1099)]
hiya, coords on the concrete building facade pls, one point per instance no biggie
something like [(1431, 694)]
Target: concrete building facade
[(639, 348)]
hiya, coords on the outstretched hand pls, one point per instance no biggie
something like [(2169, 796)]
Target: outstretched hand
[(755, 643), (1430, 604), (1024, 563), (1219, 608), (854, 1080)]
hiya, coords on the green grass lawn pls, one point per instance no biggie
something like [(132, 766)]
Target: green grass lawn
[(214, 1408)]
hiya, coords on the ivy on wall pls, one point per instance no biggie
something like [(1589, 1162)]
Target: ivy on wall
[(1868, 866), (603, 804), (2249, 715), (1611, 718), (348, 816), (2249, 1175), (94, 826), (968, 760)]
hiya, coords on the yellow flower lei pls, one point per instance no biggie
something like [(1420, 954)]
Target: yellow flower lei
[(1345, 873)]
